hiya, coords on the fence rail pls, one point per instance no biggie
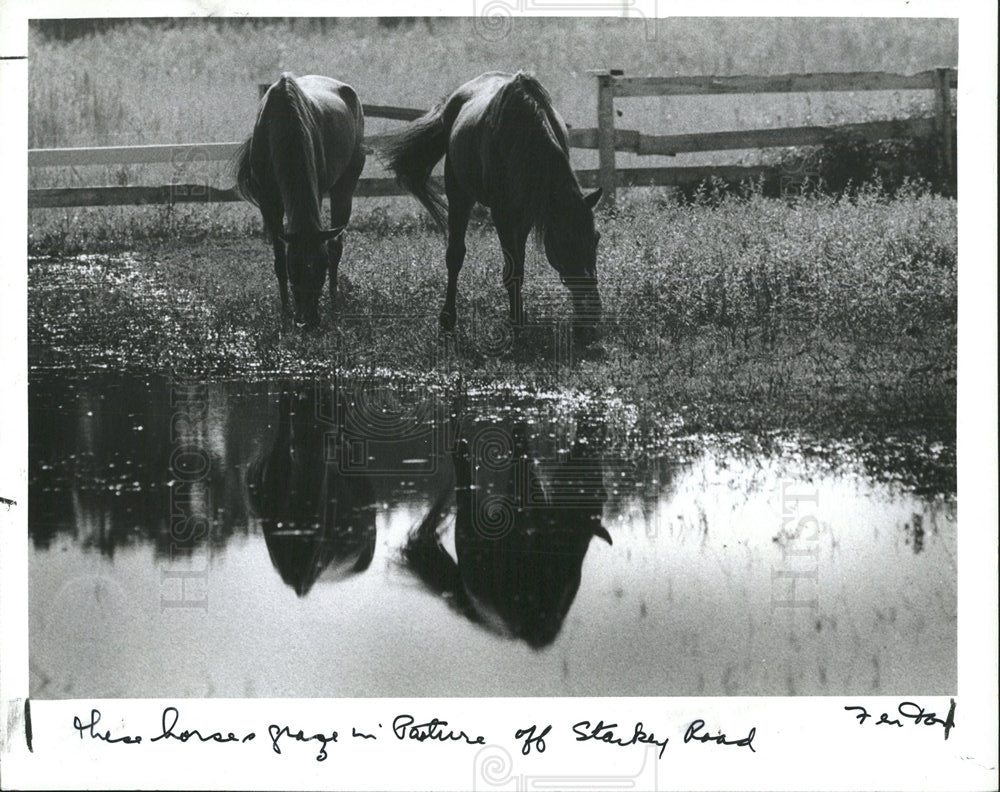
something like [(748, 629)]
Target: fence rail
[(779, 83), (130, 155), (606, 139), (55, 197), (629, 140), (612, 84)]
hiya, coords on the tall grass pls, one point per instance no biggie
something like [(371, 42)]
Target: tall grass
[(748, 314), (196, 80), (757, 268)]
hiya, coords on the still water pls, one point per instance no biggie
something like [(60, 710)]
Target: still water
[(377, 538)]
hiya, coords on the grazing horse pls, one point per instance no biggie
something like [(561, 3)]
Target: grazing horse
[(315, 519), (308, 141), (507, 148), (521, 534)]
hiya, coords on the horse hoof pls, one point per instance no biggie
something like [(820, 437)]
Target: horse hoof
[(448, 321)]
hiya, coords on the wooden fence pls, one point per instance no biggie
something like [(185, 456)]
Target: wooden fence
[(606, 139), (613, 83)]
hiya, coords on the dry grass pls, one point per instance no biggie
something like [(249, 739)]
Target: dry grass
[(199, 82)]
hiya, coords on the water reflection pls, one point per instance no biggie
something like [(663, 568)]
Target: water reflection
[(316, 518), (117, 460), (166, 515), (521, 530)]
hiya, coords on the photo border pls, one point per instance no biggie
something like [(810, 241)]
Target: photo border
[(801, 743)]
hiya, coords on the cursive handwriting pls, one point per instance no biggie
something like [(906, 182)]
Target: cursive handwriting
[(602, 732), (403, 728), (277, 733), (909, 711), (91, 729), (697, 725), (530, 739), (169, 721)]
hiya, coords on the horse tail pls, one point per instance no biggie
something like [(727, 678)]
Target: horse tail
[(289, 124), (425, 554), (241, 171), (412, 155)]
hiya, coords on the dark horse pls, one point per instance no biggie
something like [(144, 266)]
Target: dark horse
[(308, 141), (507, 148), (521, 533), (315, 519)]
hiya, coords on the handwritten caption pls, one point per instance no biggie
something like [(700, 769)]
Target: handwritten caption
[(531, 739)]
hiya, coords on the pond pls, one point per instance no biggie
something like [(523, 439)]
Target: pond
[(365, 537)]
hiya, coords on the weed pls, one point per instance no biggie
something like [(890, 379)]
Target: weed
[(834, 312)]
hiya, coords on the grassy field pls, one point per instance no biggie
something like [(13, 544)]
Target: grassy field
[(199, 80), (199, 84), (834, 316)]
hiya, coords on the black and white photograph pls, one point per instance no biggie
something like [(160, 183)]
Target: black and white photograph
[(574, 355)]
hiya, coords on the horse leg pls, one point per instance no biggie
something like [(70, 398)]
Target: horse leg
[(281, 271), (459, 212), (336, 250), (341, 204), (273, 219), (512, 242)]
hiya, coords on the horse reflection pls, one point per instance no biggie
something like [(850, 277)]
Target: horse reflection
[(522, 530), (316, 520)]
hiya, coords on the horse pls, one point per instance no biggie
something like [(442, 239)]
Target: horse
[(315, 519), (521, 534), (308, 141), (507, 148)]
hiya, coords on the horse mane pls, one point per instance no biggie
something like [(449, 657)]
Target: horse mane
[(290, 133), (528, 151)]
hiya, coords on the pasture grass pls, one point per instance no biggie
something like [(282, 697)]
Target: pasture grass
[(835, 316), (829, 315), (199, 83)]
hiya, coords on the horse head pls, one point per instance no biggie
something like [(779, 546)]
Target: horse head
[(521, 535), (571, 248), (308, 259), (315, 520)]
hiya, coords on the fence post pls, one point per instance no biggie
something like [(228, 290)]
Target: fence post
[(607, 177), (942, 106)]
